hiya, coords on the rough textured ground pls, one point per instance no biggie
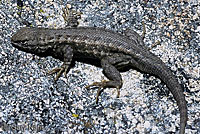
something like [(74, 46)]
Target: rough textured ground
[(31, 102)]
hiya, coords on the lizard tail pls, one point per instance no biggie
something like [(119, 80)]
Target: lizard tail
[(177, 92)]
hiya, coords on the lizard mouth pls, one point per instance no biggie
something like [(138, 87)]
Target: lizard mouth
[(24, 46), (21, 45)]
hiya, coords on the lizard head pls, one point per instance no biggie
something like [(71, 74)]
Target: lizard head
[(28, 40), (25, 39)]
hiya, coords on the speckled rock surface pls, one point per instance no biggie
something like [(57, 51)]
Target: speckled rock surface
[(31, 102)]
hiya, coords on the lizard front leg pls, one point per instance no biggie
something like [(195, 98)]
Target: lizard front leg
[(66, 53)]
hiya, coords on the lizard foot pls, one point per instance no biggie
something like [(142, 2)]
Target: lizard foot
[(59, 71), (101, 85)]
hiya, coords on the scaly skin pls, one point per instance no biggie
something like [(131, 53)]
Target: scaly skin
[(97, 46)]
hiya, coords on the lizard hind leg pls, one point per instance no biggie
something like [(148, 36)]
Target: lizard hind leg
[(111, 72)]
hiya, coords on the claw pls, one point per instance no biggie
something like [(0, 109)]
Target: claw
[(59, 71), (101, 85), (118, 92), (98, 94), (97, 84)]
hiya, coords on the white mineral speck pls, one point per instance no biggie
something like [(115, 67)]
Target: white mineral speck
[(171, 27), (198, 29), (177, 33), (147, 124), (134, 122), (1, 114), (155, 129), (132, 9)]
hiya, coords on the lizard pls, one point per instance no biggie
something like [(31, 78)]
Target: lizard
[(101, 47)]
